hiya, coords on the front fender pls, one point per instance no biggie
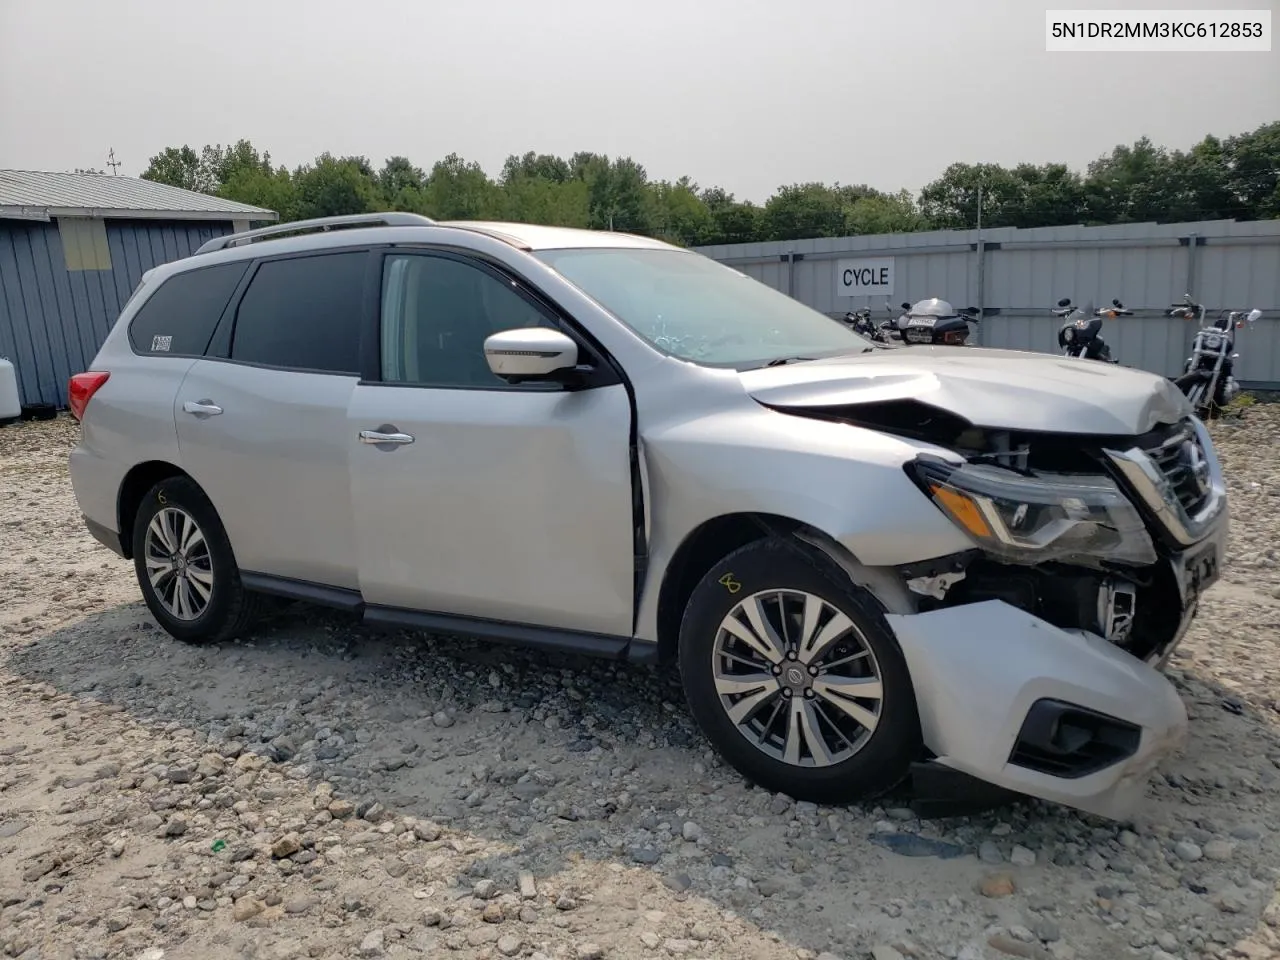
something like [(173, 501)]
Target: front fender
[(846, 482)]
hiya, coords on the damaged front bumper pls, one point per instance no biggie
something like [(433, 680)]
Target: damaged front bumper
[(1061, 715)]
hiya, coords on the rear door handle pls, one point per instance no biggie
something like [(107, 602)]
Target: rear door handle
[(376, 436), (201, 408)]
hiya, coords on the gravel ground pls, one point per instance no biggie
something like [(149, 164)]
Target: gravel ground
[(324, 791)]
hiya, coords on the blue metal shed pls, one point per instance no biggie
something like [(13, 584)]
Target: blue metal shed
[(73, 247)]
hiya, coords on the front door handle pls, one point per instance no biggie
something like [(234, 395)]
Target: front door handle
[(377, 436), (201, 408)]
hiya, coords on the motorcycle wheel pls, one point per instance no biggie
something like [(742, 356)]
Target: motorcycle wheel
[(1193, 386)]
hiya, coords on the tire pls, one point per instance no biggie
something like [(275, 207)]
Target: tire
[(1193, 386), (878, 757), (217, 606)]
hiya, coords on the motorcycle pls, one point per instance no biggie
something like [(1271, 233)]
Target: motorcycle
[(861, 322), (931, 321), (1207, 375), (1079, 335)]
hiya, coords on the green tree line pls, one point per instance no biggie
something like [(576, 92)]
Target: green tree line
[(1233, 178)]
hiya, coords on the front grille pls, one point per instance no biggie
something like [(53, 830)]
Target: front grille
[(1181, 461)]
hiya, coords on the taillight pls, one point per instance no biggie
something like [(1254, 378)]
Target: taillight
[(81, 388)]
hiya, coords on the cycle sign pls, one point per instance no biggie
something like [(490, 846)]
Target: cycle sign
[(864, 278)]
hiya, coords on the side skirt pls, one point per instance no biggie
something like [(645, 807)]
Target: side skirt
[(499, 631)]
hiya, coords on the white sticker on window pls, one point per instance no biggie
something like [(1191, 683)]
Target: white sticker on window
[(161, 344)]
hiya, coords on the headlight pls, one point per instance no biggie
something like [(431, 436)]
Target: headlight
[(1037, 519), (1212, 341), (1068, 334)]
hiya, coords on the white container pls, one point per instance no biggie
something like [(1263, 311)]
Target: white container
[(10, 404)]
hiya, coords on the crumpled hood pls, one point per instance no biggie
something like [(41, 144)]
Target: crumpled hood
[(1000, 389)]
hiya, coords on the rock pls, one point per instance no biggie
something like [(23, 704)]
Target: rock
[(1228, 902), (286, 846), (645, 855), (1188, 851), (373, 944), (299, 905), (176, 827), (651, 940), (996, 885), (11, 829), (426, 831), (442, 719), (246, 908), (691, 831), (589, 951), (885, 952), (988, 852), (492, 913), (1219, 850), (1046, 929), (482, 935), (509, 945), (528, 887), (211, 765), (1022, 857), (117, 922), (39, 869), (341, 809), (485, 890)]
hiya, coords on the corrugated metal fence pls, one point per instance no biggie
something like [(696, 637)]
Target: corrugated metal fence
[(54, 319), (1016, 276)]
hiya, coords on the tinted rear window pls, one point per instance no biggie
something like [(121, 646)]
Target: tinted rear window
[(179, 317), (303, 313)]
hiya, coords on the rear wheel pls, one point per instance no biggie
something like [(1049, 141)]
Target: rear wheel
[(185, 565), (795, 677)]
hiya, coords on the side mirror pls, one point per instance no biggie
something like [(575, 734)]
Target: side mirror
[(1254, 314), (906, 305), (530, 353), (1117, 303), (969, 311), (1064, 302)]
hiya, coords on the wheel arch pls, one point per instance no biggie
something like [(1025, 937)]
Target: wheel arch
[(140, 478), (714, 539)]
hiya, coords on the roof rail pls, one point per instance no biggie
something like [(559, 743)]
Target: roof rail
[(318, 225)]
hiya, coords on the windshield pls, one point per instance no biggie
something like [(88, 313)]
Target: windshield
[(694, 308)]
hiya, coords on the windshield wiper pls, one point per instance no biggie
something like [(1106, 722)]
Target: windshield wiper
[(779, 361)]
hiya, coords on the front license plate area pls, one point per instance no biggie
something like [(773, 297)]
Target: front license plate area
[(919, 334), (1199, 572)]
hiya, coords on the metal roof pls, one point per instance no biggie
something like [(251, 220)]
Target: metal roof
[(42, 195)]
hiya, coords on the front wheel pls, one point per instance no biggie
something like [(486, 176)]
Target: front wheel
[(1195, 387), (185, 565), (794, 676)]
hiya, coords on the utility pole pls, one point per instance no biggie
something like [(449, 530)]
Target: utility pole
[(112, 162)]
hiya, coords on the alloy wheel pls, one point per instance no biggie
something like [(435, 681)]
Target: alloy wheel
[(797, 678), (178, 563)]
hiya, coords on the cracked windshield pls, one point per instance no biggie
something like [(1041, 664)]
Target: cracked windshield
[(699, 310)]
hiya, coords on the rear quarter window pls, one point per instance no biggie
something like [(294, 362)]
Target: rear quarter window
[(180, 317)]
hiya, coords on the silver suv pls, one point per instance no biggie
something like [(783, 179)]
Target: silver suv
[(862, 558)]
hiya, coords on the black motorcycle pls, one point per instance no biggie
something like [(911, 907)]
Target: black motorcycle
[(934, 322), (1207, 376), (1080, 336), (860, 321)]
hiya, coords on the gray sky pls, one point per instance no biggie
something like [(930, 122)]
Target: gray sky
[(747, 94)]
